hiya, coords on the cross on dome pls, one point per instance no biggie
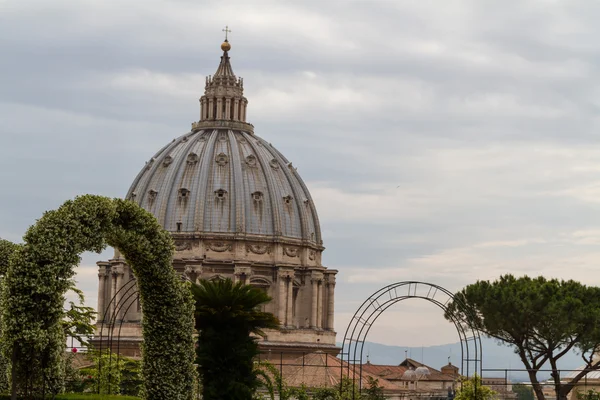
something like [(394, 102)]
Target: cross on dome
[(226, 30)]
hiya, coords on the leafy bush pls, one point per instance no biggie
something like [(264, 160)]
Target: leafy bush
[(39, 273)]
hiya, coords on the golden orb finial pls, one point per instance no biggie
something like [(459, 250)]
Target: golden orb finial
[(226, 46)]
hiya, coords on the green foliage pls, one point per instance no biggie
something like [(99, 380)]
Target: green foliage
[(82, 396), (373, 391), (591, 394), (472, 389), (524, 392), (78, 319), (39, 273), (106, 373), (541, 319), (227, 314), (272, 380)]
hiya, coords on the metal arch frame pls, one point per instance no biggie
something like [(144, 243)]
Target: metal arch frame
[(111, 326), (370, 310)]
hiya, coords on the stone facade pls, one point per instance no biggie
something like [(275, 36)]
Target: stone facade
[(236, 209)]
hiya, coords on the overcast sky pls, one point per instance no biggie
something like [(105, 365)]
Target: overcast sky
[(442, 141)]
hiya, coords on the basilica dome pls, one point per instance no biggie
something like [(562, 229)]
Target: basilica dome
[(222, 178), (226, 181), (236, 209)]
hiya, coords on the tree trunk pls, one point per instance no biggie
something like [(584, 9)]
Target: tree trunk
[(537, 388)]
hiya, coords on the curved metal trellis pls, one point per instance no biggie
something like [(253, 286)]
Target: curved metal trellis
[(119, 305), (366, 315)]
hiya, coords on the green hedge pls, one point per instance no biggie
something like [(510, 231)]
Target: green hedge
[(40, 271), (80, 396)]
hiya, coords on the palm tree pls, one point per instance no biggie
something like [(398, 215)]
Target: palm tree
[(228, 318)]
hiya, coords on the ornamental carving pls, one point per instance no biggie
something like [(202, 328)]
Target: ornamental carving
[(167, 161), (152, 194), (312, 254), (183, 193), (192, 159), (290, 251), (274, 164), (222, 159), (257, 197), (219, 247), (181, 245), (149, 163), (251, 161), (220, 194), (258, 249)]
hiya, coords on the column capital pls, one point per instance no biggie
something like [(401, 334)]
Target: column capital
[(242, 270), (316, 276), (117, 270), (285, 273)]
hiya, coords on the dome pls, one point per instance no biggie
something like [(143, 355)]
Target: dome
[(226, 181), (236, 209)]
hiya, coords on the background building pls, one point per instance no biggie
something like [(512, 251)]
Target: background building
[(238, 209)]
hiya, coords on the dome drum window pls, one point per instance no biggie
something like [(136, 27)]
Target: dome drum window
[(167, 161), (184, 193), (220, 194), (257, 197), (288, 199), (222, 159), (192, 159), (251, 161), (152, 194)]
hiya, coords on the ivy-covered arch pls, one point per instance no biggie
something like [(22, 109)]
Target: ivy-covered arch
[(37, 278)]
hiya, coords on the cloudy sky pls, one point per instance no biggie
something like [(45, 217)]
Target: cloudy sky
[(442, 141)]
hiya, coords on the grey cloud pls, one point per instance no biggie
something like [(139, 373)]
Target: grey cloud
[(484, 113)]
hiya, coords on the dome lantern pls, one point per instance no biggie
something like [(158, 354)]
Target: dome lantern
[(223, 103)]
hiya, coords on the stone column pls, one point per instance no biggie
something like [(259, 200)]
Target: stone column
[(236, 109), (227, 109), (204, 113), (313, 313), (320, 306), (211, 108), (330, 305), (102, 277), (243, 111), (118, 273), (290, 302), (219, 109), (282, 297), (242, 274)]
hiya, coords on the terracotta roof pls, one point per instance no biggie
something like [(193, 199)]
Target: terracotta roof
[(395, 372), (323, 370)]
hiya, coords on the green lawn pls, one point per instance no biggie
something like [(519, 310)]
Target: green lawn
[(79, 396)]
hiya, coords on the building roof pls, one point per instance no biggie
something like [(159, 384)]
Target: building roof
[(324, 370), (395, 372)]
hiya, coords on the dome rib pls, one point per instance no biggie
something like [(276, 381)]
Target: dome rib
[(276, 210), (296, 193), (238, 183), (181, 185), (176, 175), (203, 176)]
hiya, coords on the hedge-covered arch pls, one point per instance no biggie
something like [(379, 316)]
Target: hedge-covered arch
[(38, 274)]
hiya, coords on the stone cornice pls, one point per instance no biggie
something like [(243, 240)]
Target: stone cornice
[(179, 236), (223, 123)]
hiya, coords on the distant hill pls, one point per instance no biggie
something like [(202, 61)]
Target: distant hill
[(495, 356)]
